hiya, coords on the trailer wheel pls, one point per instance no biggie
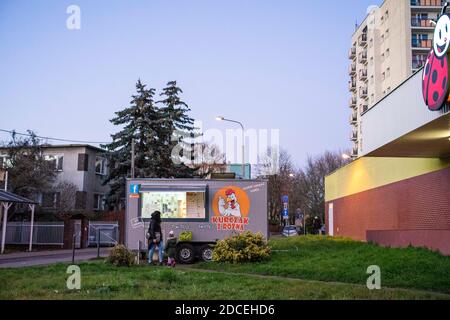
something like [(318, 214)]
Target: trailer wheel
[(186, 253), (206, 253)]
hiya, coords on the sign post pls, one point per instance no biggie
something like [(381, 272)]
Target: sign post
[(285, 211)]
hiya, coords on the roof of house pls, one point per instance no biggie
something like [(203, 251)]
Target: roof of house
[(73, 146), (6, 196), (51, 146)]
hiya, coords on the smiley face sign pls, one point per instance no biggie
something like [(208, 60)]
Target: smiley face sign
[(441, 38), (435, 77)]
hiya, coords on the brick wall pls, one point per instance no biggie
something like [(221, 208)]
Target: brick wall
[(419, 203), (118, 216)]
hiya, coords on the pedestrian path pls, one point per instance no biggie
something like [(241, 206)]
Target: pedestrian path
[(26, 259)]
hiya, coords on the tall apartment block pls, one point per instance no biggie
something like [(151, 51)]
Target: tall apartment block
[(389, 46)]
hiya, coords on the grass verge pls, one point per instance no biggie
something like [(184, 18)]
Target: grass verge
[(343, 260), (103, 281)]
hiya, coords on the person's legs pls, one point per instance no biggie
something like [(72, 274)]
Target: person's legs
[(161, 251), (150, 253)]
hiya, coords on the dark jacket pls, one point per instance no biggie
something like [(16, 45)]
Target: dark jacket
[(171, 247), (154, 227)]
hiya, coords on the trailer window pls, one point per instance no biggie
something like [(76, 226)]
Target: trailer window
[(173, 204)]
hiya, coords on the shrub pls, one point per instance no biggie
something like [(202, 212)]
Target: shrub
[(185, 236), (245, 247), (121, 256)]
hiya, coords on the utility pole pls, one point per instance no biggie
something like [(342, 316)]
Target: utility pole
[(132, 158)]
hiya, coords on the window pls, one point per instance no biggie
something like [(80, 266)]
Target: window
[(55, 161), (388, 72), (372, 98), (382, 57), (387, 34), (174, 205), (371, 43), (383, 76), (386, 15), (371, 80), (99, 202), (51, 200), (382, 38), (100, 166), (371, 61), (388, 89), (388, 52), (4, 161)]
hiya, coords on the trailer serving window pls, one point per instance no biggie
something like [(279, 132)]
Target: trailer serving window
[(175, 203)]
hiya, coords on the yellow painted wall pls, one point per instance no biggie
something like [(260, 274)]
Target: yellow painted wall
[(369, 173)]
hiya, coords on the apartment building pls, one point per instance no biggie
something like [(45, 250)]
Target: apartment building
[(389, 46), (81, 166)]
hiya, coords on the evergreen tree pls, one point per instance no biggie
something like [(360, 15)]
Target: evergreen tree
[(141, 122), (176, 125)]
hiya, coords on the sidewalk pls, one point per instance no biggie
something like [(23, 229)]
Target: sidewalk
[(25, 259)]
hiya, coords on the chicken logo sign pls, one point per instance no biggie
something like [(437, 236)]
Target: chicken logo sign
[(435, 78), (231, 207)]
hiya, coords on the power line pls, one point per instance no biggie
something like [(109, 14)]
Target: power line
[(54, 139)]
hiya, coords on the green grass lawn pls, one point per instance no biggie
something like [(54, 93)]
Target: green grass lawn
[(103, 281), (339, 265), (343, 260)]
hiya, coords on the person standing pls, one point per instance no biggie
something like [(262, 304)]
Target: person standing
[(155, 239), (171, 249)]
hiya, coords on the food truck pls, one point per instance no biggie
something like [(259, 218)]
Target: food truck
[(209, 210)]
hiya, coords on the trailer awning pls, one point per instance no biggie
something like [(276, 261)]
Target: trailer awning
[(180, 187)]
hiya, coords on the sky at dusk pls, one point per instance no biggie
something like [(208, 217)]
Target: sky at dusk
[(270, 64)]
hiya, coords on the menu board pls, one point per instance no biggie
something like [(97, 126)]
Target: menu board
[(195, 205), (174, 204)]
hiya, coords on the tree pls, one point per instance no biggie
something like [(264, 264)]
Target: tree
[(28, 171), (280, 183), (156, 132), (68, 192), (209, 159), (310, 183), (141, 122), (176, 125)]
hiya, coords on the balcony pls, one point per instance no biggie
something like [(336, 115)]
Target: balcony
[(362, 57), (419, 44), (355, 152), (354, 135), (420, 23), (363, 74), (363, 92), (429, 5), (352, 69), (352, 85), (363, 108), (352, 102), (362, 40), (352, 53), (353, 118)]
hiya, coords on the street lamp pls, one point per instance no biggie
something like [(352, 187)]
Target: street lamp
[(220, 118)]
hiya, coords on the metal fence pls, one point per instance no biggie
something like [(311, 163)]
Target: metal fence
[(44, 233), (107, 232)]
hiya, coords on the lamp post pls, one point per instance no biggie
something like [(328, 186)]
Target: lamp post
[(220, 118)]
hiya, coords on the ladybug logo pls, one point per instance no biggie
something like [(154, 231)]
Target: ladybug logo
[(441, 38), (435, 80)]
